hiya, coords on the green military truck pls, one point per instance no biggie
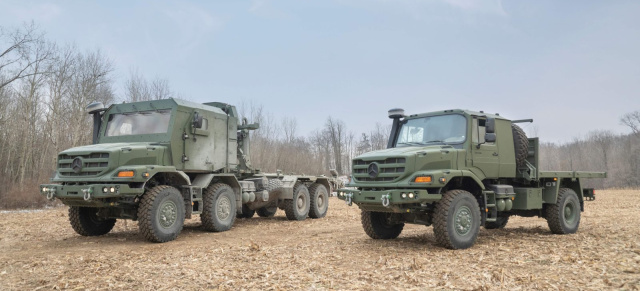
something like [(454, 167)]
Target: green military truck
[(459, 170), (159, 162)]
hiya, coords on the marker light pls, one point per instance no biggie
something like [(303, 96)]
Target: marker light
[(125, 174), (423, 179)]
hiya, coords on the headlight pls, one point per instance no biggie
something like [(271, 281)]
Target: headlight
[(411, 195), (404, 195), (105, 190), (45, 189), (113, 189)]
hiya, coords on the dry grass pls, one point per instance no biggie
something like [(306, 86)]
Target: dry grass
[(40, 250)]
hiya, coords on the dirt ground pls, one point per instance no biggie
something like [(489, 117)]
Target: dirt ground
[(39, 250)]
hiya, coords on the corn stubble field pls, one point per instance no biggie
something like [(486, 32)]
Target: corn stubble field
[(39, 250)]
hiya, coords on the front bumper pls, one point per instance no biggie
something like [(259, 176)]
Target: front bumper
[(387, 198), (90, 192)]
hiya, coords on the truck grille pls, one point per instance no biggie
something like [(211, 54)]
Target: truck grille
[(83, 165), (387, 170)]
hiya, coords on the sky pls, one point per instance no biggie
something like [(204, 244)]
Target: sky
[(572, 66)]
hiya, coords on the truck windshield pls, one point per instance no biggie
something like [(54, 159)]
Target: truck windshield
[(135, 123), (433, 129)]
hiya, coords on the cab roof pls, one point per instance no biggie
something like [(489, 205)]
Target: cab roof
[(456, 111)]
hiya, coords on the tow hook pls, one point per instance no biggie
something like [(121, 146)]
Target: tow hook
[(51, 193), (385, 199), (348, 200), (87, 194)]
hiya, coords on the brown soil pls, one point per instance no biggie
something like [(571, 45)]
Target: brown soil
[(39, 250)]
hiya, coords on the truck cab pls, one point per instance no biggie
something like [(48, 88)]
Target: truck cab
[(438, 163), (159, 162)]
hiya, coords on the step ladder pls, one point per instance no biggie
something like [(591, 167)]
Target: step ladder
[(490, 211)]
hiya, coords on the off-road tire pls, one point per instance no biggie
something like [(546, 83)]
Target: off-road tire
[(564, 216), (376, 225), (520, 144), (161, 214), (219, 208), (85, 221), (267, 211), (501, 222), (319, 200), (246, 212), (457, 220), (298, 207)]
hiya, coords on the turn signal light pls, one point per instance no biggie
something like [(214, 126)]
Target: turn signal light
[(423, 179), (125, 174)]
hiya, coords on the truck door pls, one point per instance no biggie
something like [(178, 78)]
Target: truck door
[(199, 145), (484, 154)]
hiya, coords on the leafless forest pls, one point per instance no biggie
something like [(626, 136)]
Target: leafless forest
[(45, 87)]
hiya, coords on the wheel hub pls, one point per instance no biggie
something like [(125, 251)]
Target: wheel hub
[(463, 220), (168, 214), (300, 202), (569, 213), (223, 208)]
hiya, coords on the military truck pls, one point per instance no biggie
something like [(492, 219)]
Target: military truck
[(159, 162), (459, 170)]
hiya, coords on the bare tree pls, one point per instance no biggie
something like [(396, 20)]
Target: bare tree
[(335, 129), (17, 57), (137, 88), (632, 120)]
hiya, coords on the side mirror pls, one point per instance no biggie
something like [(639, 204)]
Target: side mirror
[(197, 120), (490, 137), (490, 126), (95, 107)]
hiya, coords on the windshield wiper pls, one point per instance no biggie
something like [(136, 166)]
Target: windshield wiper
[(433, 141), (409, 143)]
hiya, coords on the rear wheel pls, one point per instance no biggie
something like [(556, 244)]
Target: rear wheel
[(319, 200), (457, 220), (501, 222), (267, 211), (219, 208), (564, 216), (381, 225), (161, 214), (85, 221), (298, 207), (246, 212)]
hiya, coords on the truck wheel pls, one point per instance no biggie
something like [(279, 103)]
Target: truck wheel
[(267, 211), (246, 212), (219, 208), (564, 216), (521, 145), (457, 220), (319, 202), (379, 225), (501, 222), (85, 221), (161, 214), (298, 207)]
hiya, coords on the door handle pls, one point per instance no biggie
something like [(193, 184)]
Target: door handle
[(495, 154)]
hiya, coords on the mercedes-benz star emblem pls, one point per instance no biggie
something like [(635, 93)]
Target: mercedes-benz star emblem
[(76, 165), (372, 170)]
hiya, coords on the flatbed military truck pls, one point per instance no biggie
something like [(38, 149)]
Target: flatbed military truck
[(459, 170), (159, 162)]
